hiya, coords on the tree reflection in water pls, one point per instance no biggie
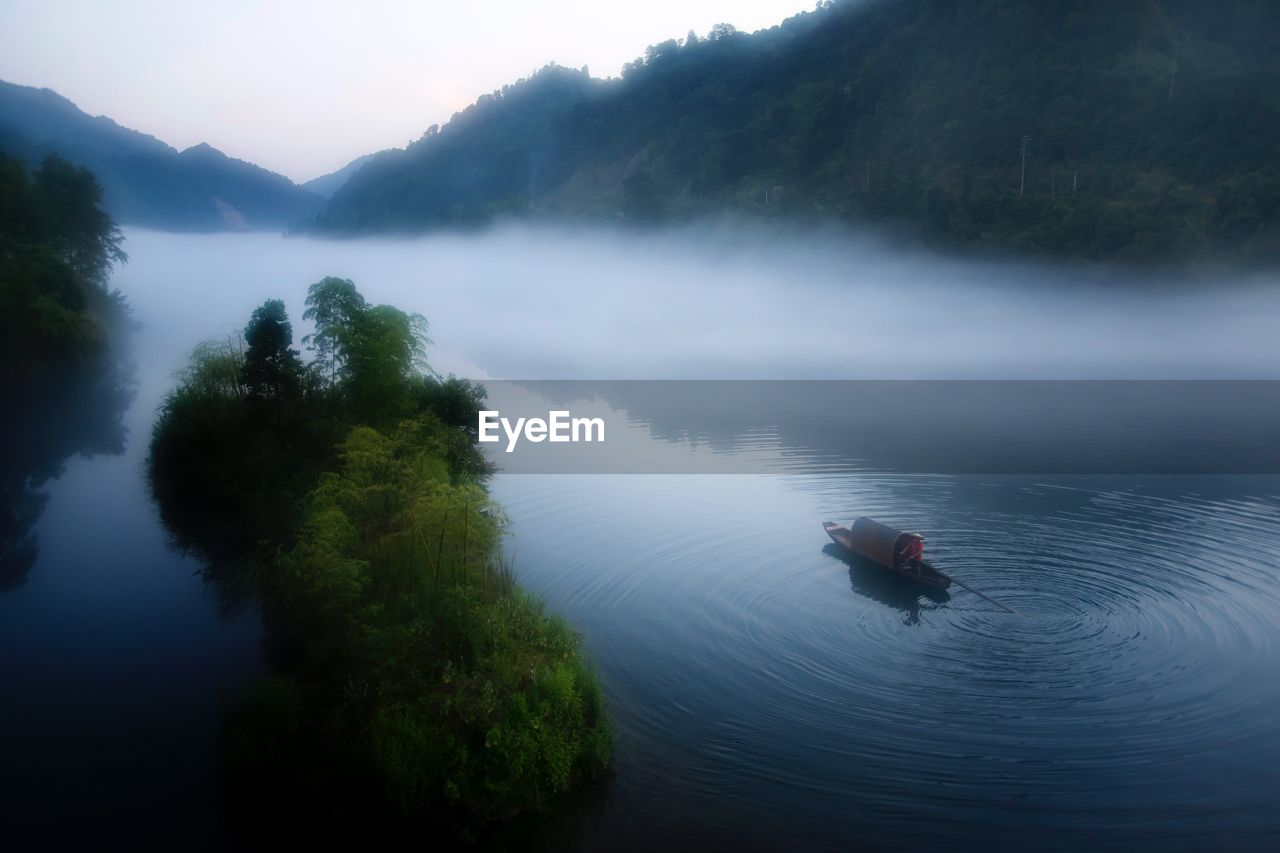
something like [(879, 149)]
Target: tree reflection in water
[(78, 410)]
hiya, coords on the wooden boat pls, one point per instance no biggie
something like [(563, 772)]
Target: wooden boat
[(901, 553)]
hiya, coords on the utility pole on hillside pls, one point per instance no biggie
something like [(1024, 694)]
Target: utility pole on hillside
[(1026, 149)]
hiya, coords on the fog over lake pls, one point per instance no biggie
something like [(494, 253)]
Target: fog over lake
[(568, 303)]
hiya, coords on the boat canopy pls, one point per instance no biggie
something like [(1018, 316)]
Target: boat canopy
[(884, 544)]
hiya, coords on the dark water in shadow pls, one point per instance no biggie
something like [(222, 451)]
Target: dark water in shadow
[(768, 694), (114, 661)]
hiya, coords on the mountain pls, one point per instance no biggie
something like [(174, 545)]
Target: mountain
[(144, 181), (1146, 128), (327, 185), (490, 159)]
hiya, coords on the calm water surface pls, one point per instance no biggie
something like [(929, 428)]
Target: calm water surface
[(766, 692)]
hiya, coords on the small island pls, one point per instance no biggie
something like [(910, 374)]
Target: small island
[(415, 684)]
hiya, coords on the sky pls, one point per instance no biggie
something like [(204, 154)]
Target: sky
[(302, 87)]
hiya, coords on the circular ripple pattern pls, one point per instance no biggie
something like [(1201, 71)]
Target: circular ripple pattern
[(767, 691)]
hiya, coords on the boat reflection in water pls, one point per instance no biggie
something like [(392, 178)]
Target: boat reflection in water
[(873, 581)]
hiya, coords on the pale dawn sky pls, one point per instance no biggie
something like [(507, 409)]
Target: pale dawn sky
[(303, 86)]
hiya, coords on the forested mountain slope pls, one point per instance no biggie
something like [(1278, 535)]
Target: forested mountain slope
[(327, 185), (1149, 127)]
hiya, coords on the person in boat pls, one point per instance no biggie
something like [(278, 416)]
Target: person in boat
[(912, 550)]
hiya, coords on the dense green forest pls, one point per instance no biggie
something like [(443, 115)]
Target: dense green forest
[(57, 248), (417, 687), (145, 181), (1086, 128), (65, 376)]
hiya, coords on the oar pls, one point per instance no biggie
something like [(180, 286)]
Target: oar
[(975, 592)]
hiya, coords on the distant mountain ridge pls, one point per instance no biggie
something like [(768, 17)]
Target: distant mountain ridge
[(327, 185), (146, 182), (1085, 128)]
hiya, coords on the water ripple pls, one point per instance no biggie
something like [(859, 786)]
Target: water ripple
[(761, 682)]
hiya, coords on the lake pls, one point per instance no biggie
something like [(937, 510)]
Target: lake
[(766, 691)]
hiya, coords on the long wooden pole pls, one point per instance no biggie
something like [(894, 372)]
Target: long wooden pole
[(975, 592)]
